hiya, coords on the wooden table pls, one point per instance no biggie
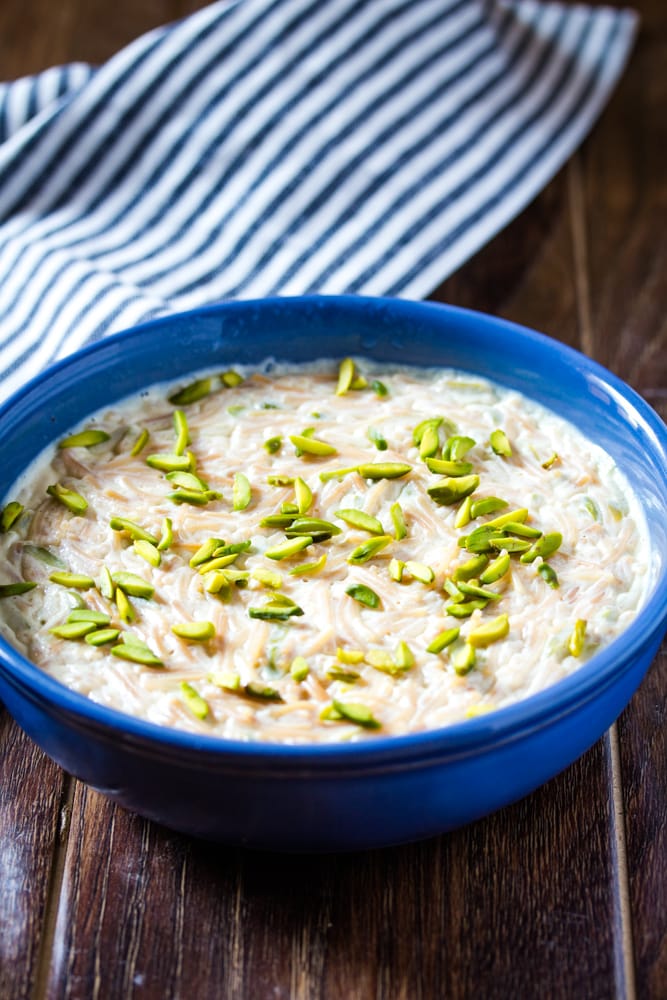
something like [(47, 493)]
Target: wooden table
[(561, 895)]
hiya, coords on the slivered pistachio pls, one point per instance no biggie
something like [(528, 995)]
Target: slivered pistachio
[(125, 609), (420, 571), (134, 530), (452, 589), (167, 536), (231, 379), (361, 715), (219, 562), (84, 439), (457, 446), (289, 508), (471, 589), (280, 480), (337, 473), (592, 508), (396, 569), (364, 595), (261, 692), (381, 659), (398, 521), (496, 569), (510, 544), (299, 669), (471, 568), (11, 512), (480, 539), (445, 467), (89, 615), (336, 673), (312, 446), (359, 519), (194, 631), (522, 530), (489, 632), (106, 585), (147, 551), (548, 574), (544, 547), (362, 553), (430, 441), (403, 656), (463, 513), (241, 492), (314, 526), (303, 495), (487, 505), (465, 608), (379, 388), (552, 460), (575, 644), (308, 569), (217, 583), (443, 640), (169, 462), (187, 481), (194, 701), (102, 636), (359, 382), (194, 497), (133, 585), (136, 651), (345, 376), (500, 443), (69, 498), (289, 548), (73, 630), (140, 443), (374, 435), (273, 444), (451, 489), (384, 470), (78, 581), (182, 432), (430, 423), (228, 680), (191, 393), (17, 588), (463, 659), (349, 656), (509, 517), (44, 555), (267, 577), (277, 521), (205, 551)]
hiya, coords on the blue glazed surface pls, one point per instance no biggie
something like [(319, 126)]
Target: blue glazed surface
[(387, 790)]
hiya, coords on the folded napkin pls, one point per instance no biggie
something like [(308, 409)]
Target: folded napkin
[(265, 147)]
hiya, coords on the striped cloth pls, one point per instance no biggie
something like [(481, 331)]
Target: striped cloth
[(283, 147)]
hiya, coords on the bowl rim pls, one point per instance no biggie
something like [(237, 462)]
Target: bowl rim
[(466, 736)]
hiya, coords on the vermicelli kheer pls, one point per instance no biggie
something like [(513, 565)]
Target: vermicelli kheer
[(321, 554)]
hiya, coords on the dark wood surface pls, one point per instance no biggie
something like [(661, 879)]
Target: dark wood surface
[(561, 895)]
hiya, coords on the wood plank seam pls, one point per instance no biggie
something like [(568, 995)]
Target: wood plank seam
[(625, 952)]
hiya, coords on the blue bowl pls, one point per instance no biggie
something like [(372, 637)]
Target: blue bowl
[(386, 790)]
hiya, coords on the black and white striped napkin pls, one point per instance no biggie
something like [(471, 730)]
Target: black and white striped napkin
[(283, 147)]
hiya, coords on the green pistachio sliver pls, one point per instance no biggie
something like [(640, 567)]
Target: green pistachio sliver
[(194, 631), (169, 462), (290, 509), (106, 585), (194, 701), (167, 536), (364, 595), (489, 632), (148, 551), (217, 583), (337, 473), (359, 382), (463, 659), (239, 577), (102, 636), (228, 680), (430, 441), (379, 388), (233, 548), (44, 555), (457, 446), (398, 521), (205, 552), (592, 508), (443, 640), (361, 715), (136, 650), (345, 376), (548, 574), (261, 692), (191, 393), (463, 513), (308, 569), (544, 547), (134, 530), (231, 379), (359, 519), (241, 491), (17, 588), (374, 435), (384, 470), (444, 467), (453, 590), (98, 618), (472, 590), (267, 577), (575, 644), (274, 611), (403, 656), (11, 512), (382, 660), (349, 656), (312, 526), (500, 443), (73, 630), (69, 498), (312, 446), (336, 673), (182, 432), (487, 505), (78, 581), (465, 608), (509, 517), (451, 489), (220, 562), (273, 445), (522, 530), (84, 439), (430, 423), (362, 553), (133, 585), (329, 714), (496, 569), (277, 521), (125, 609), (194, 497), (299, 669), (140, 443), (396, 569), (303, 495), (553, 459), (420, 571), (187, 481), (481, 538), (280, 480), (471, 568), (510, 544)]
